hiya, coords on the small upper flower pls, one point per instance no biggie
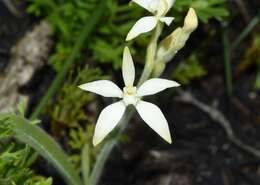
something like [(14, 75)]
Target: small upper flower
[(158, 8), (130, 95)]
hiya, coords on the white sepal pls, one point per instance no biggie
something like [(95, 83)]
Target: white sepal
[(153, 116), (128, 68), (154, 86), (149, 5), (162, 8), (143, 25), (104, 88), (107, 121), (167, 20)]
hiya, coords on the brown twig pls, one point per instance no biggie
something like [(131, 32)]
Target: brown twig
[(243, 9), (219, 117), (11, 7)]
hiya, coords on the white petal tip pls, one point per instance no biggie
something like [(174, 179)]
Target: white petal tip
[(129, 38), (82, 87), (172, 83), (175, 84), (168, 140), (96, 142), (167, 136)]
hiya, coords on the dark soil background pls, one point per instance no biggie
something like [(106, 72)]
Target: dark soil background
[(201, 152)]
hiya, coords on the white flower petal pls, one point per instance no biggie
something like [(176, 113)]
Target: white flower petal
[(143, 25), (104, 88), (167, 20), (154, 86), (128, 68), (149, 5), (107, 121), (154, 117), (162, 8)]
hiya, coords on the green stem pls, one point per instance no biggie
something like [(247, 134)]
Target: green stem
[(85, 164), (151, 54), (108, 147), (101, 160), (87, 30), (227, 60), (245, 32)]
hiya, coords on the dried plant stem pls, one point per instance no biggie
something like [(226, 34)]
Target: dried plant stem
[(11, 7), (219, 117)]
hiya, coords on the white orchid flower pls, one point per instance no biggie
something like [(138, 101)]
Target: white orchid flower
[(158, 8), (130, 95)]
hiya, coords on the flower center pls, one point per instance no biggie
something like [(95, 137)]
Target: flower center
[(130, 97)]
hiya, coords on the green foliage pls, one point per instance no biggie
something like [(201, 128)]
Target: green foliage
[(78, 138), (15, 162), (252, 57), (38, 139), (68, 17), (16, 159), (108, 46), (5, 128), (68, 109), (68, 114), (206, 9), (189, 70)]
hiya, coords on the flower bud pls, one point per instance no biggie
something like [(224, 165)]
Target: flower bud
[(177, 39), (191, 21)]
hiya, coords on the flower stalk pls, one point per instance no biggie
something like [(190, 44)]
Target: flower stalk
[(151, 54), (153, 67), (109, 145)]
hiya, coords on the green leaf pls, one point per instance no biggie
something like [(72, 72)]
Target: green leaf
[(4, 182), (45, 146)]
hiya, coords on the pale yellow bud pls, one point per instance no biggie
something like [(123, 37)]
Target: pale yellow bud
[(191, 21), (178, 38)]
